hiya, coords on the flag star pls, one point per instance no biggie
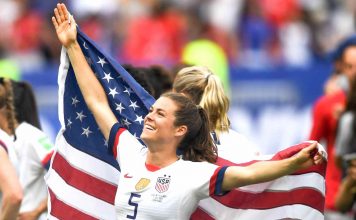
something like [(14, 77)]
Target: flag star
[(133, 105), (128, 91), (107, 77), (139, 119), (80, 116), (86, 131), (101, 61), (113, 92), (126, 122), (106, 142), (69, 124), (75, 101), (136, 136), (85, 45), (119, 107)]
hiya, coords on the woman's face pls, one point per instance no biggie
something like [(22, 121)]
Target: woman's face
[(159, 123)]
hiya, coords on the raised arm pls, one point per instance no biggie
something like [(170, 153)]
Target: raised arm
[(93, 93), (9, 187), (269, 170)]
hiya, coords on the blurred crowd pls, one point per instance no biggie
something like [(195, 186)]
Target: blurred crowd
[(254, 33)]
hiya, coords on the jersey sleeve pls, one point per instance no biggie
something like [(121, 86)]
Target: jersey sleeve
[(3, 145), (44, 150), (123, 145), (209, 178)]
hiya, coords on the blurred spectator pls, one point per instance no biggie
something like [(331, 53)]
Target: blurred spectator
[(345, 197), (155, 38), (326, 114), (258, 38), (295, 39)]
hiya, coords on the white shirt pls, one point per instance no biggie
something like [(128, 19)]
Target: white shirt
[(8, 144), (235, 147), (172, 192), (34, 151)]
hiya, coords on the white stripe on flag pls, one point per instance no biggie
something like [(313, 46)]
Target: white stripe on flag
[(287, 183), (297, 212), (87, 163)]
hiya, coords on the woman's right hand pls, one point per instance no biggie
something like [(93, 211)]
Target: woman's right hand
[(65, 26)]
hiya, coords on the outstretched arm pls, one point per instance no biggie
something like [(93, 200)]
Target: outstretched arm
[(269, 170), (9, 187), (93, 93)]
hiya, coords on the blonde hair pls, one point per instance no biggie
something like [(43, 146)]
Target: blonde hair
[(7, 102), (206, 90)]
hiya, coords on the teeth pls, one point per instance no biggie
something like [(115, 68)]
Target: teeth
[(149, 127)]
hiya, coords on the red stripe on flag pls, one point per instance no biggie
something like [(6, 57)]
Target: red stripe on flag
[(83, 181), (63, 211), (266, 200), (200, 214)]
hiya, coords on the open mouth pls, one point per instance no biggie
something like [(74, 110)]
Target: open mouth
[(149, 127)]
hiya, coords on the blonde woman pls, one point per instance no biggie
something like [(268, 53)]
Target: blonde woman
[(205, 89)]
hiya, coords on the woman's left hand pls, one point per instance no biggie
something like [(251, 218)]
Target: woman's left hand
[(308, 157)]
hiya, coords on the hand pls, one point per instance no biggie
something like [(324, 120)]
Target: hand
[(65, 26), (308, 157), (351, 172), (33, 215)]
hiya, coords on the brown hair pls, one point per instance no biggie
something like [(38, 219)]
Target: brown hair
[(206, 90), (197, 144), (6, 101)]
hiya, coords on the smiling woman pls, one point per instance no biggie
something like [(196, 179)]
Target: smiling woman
[(154, 178)]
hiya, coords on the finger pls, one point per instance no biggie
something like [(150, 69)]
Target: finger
[(54, 21), (311, 147), (72, 21), (61, 12), (58, 18), (65, 10)]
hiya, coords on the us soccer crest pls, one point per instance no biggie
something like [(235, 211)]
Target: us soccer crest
[(143, 183), (162, 184)]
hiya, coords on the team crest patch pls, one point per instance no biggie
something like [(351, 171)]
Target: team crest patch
[(162, 184), (143, 183)]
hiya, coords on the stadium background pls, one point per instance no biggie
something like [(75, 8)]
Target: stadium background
[(277, 52)]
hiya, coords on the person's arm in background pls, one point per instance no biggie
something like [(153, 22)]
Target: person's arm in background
[(345, 196), (10, 188), (343, 138), (93, 93), (264, 171)]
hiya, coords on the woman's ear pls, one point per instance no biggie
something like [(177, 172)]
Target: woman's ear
[(181, 131)]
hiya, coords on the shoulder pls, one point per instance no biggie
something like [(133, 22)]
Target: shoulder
[(330, 98), (347, 118)]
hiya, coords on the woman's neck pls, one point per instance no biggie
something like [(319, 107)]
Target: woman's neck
[(161, 159)]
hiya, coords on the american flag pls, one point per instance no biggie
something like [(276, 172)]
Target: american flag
[(83, 176)]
